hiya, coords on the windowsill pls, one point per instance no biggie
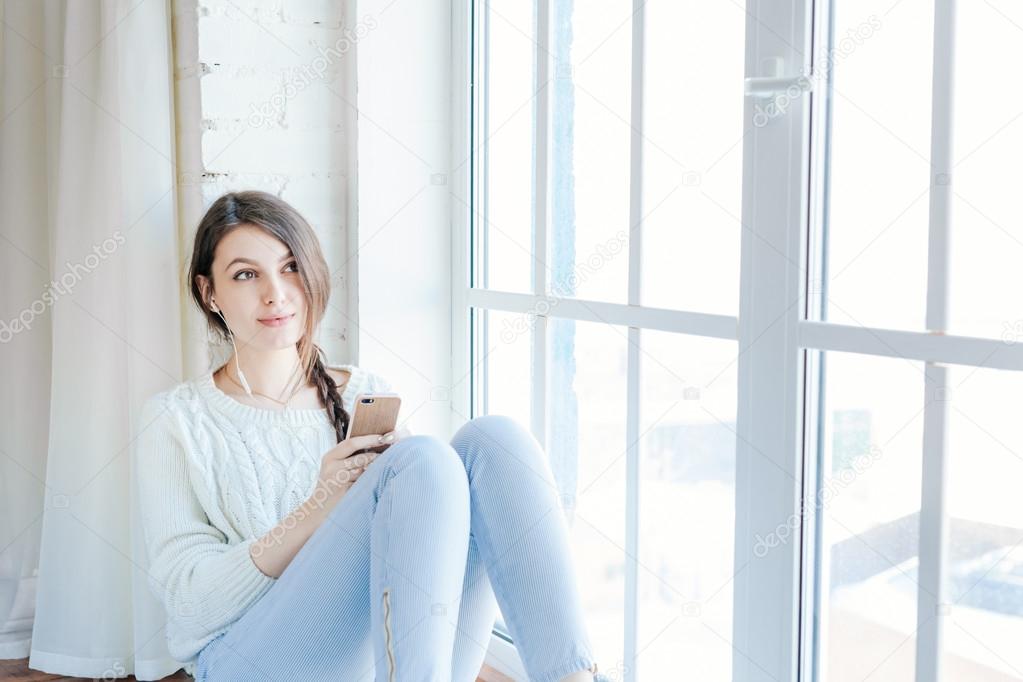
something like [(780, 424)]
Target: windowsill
[(502, 663)]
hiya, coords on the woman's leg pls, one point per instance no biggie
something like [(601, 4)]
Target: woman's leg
[(521, 535), (477, 610), (367, 596)]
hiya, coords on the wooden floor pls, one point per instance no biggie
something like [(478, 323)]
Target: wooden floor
[(19, 670)]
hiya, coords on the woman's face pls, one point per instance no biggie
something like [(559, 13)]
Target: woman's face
[(255, 279)]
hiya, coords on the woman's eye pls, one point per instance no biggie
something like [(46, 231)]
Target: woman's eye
[(238, 275)]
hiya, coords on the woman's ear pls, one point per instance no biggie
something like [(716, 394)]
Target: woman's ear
[(204, 288)]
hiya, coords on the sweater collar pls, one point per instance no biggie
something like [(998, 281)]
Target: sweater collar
[(314, 415)]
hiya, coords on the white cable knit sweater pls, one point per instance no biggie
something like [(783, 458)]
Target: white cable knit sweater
[(214, 475)]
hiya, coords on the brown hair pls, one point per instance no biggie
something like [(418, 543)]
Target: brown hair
[(278, 219)]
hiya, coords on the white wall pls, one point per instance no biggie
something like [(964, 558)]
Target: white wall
[(404, 204), (261, 104), (266, 98)]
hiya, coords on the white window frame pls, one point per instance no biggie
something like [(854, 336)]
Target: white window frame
[(776, 329)]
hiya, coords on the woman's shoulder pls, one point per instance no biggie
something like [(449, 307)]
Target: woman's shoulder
[(184, 395), (341, 373), (168, 411), (353, 379)]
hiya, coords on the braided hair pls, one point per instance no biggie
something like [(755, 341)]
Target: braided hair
[(329, 395)]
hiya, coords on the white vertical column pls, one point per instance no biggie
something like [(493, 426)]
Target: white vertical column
[(933, 543), (631, 672), (542, 109), (768, 474), (481, 267), (815, 612), (463, 139)]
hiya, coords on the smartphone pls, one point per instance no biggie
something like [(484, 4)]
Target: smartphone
[(374, 413)]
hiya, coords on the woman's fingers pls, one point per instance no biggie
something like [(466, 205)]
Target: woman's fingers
[(398, 434), (360, 461), (371, 441), (353, 446)]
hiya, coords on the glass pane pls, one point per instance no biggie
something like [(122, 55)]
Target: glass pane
[(984, 626), (587, 450), (505, 354), (987, 237), (692, 155), (687, 507), (879, 170), (508, 360), (589, 165), (867, 504), (507, 129)]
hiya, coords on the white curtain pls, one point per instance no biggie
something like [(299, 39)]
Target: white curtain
[(90, 324)]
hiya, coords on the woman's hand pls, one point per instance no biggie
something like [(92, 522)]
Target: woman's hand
[(342, 465), (399, 434)]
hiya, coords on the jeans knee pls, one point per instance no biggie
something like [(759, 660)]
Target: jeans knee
[(437, 461), (495, 432), (503, 443), (491, 427)]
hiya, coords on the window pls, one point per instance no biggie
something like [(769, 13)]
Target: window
[(571, 313), (730, 264), (917, 555)]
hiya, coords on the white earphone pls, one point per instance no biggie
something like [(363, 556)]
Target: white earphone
[(241, 374)]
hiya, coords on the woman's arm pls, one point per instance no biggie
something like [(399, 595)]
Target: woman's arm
[(203, 582), (274, 551)]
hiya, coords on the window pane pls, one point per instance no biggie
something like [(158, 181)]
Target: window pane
[(507, 129), (692, 155), (687, 507), (508, 350), (987, 237), (984, 627), (504, 367), (879, 170), (867, 503), (587, 450), (589, 166)]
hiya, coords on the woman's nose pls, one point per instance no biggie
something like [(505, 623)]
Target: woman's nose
[(274, 292)]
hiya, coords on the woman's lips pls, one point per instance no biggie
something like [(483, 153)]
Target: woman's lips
[(277, 321)]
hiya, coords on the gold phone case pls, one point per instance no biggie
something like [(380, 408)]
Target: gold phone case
[(374, 413)]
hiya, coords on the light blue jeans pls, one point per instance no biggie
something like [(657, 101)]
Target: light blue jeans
[(403, 580)]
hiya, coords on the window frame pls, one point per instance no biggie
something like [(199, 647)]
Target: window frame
[(777, 599)]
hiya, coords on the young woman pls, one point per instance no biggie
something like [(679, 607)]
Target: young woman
[(282, 551)]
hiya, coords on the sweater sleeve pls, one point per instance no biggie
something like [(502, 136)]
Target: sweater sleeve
[(203, 582)]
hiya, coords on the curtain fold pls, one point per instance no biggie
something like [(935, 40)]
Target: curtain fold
[(91, 325)]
